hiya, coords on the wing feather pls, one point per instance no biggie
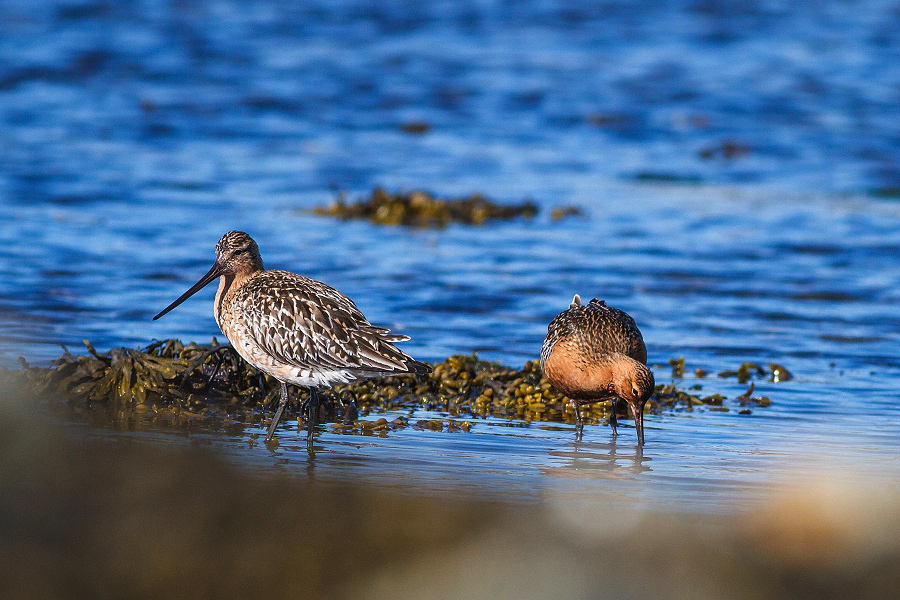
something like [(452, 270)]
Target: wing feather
[(307, 324)]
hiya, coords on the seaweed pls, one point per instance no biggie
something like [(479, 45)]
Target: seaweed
[(416, 127), (421, 209), (729, 150), (561, 212), (169, 377), (748, 370)]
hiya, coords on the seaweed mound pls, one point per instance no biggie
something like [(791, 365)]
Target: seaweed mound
[(170, 376), (421, 209)]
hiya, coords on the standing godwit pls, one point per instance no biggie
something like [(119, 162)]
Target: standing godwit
[(594, 352), (296, 329)]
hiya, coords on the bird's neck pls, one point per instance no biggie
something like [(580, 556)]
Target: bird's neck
[(621, 373), (225, 283), (228, 284)]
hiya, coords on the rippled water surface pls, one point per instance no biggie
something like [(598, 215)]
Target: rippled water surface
[(738, 168)]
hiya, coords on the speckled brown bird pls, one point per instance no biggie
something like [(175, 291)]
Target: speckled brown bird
[(296, 329), (594, 352)]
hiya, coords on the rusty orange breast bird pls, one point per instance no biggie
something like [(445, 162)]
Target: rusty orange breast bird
[(594, 352)]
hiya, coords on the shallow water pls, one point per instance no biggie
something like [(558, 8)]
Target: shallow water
[(134, 136)]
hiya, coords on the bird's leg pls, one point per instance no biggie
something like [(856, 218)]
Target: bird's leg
[(613, 421), (198, 362), (579, 424), (313, 416), (261, 385), (351, 414), (278, 413)]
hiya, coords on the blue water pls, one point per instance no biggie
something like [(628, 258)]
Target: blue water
[(133, 135)]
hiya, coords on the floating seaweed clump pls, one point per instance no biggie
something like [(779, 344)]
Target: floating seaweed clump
[(168, 375), (416, 127), (561, 212), (744, 373), (728, 150), (421, 209), (748, 369), (672, 397)]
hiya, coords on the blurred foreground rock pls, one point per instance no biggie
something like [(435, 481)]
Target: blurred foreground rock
[(105, 519)]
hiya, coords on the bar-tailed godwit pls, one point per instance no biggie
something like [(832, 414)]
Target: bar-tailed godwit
[(594, 352), (296, 329)]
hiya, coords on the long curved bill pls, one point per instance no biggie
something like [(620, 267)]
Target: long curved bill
[(204, 281), (637, 411)]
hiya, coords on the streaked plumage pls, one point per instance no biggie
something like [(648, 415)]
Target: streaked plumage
[(594, 352), (304, 332), (296, 329)]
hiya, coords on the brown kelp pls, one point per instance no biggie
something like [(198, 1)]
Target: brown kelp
[(196, 378), (421, 209), (749, 369)]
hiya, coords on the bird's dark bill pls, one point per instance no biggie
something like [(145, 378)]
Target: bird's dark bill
[(637, 410), (214, 272)]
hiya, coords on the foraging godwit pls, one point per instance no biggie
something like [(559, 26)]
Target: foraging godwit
[(594, 352), (296, 329)]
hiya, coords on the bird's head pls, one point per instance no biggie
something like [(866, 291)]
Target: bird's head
[(236, 254), (634, 383)]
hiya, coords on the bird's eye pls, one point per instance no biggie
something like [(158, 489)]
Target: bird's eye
[(635, 393)]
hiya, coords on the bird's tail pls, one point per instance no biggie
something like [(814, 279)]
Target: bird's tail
[(412, 365), (385, 334), (417, 368)]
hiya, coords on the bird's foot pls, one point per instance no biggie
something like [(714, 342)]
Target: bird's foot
[(281, 406), (351, 414), (579, 424), (309, 444), (219, 352), (613, 420), (312, 405)]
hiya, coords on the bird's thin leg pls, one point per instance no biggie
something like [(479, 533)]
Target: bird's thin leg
[(579, 424), (613, 421), (202, 359), (260, 384), (351, 414), (313, 416), (278, 413)]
